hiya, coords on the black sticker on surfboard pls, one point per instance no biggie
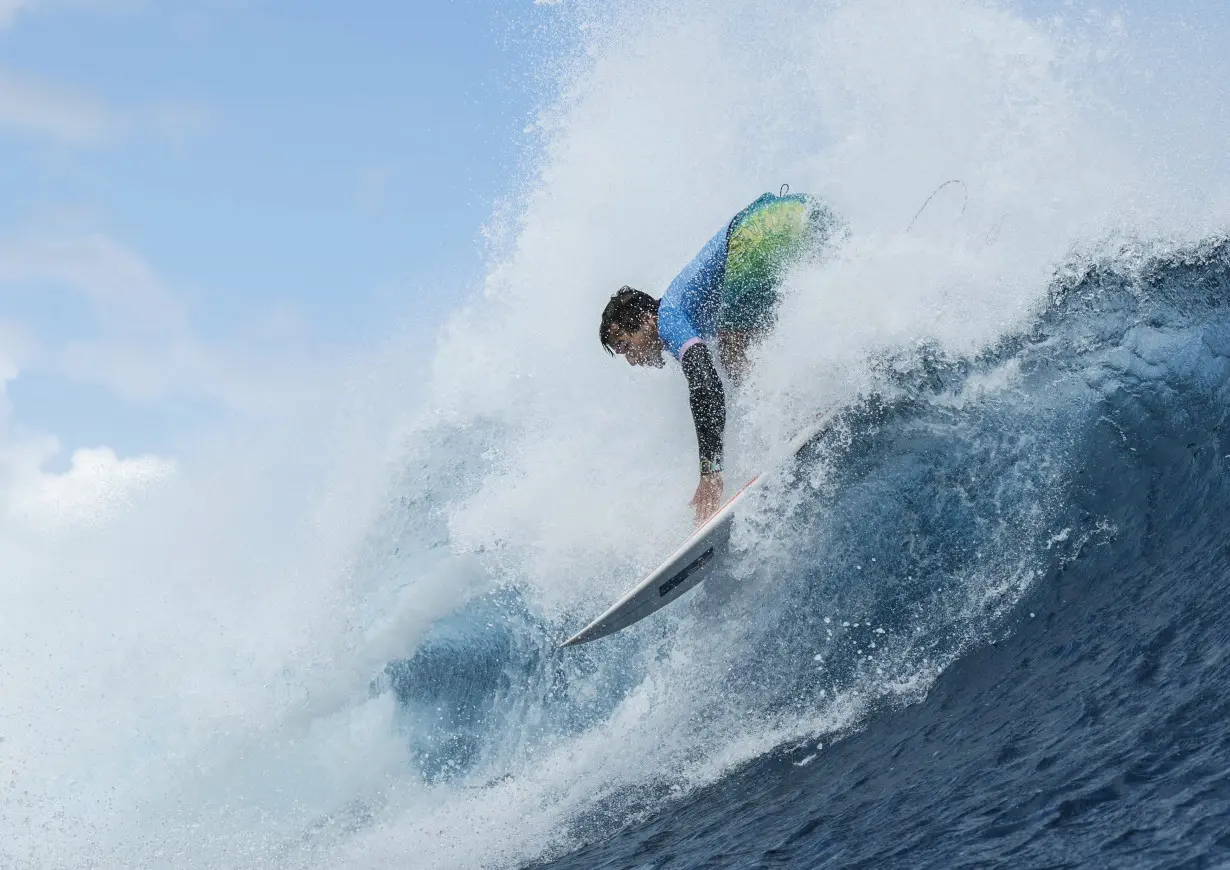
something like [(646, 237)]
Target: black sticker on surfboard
[(696, 564)]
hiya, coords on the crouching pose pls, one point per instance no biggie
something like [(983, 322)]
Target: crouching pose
[(726, 295)]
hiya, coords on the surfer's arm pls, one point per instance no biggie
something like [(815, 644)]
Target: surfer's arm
[(708, 401)]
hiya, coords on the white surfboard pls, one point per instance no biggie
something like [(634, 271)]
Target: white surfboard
[(685, 568)]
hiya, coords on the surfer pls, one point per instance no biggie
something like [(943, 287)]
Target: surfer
[(728, 292)]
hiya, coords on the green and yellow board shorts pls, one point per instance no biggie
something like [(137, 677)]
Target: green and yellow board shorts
[(762, 243)]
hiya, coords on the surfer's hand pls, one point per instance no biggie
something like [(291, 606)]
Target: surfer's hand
[(708, 497)]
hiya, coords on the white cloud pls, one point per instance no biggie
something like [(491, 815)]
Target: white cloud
[(35, 107), (8, 371), (98, 486), (9, 10), (31, 106), (141, 344), (122, 288), (16, 348)]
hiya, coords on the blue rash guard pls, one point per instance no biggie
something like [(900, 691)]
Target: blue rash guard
[(688, 313)]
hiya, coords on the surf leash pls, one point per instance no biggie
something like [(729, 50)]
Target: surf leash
[(927, 202)]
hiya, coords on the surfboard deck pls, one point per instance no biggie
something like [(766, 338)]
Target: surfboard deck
[(683, 569)]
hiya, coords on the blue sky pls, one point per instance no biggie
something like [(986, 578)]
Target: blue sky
[(197, 194)]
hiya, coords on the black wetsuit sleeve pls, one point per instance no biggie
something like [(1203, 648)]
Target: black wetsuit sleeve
[(708, 401)]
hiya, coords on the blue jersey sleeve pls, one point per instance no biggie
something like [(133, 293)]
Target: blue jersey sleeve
[(676, 329), (689, 308)]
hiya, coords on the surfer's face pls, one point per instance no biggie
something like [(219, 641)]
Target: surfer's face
[(640, 348)]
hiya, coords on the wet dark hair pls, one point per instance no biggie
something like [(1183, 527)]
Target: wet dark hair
[(627, 309)]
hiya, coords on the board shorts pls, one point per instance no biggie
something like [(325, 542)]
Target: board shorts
[(762, 243)]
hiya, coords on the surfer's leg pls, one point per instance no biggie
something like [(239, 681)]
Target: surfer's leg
[(733, 348), (759, 245), (764, 241)]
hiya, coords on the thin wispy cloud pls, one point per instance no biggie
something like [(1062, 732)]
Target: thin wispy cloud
[(376, 182), (32, 107), (35, 107), (141, 344), (9, 10), (16, 347), (182, 121), (121, 287)]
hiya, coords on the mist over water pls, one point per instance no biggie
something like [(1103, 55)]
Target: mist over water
[(333, 643)]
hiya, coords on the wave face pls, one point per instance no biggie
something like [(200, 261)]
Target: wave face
[(1087, 727)]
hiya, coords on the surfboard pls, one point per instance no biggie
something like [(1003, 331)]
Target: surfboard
[(685, 568)]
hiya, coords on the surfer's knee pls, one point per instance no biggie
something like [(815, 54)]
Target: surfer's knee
[(733, 347)]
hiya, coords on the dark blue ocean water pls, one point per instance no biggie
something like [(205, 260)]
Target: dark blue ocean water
[(1045, 526)]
